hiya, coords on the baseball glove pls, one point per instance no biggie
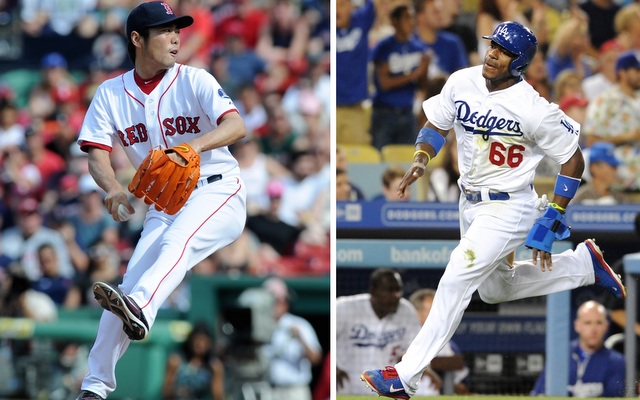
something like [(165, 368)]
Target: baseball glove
[(168, 184)]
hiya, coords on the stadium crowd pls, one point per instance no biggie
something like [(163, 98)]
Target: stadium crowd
[(56, 238)]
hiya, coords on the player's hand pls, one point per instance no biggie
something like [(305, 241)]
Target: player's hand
[(545, 259), (413, 173), (341, 377), (113, 200)]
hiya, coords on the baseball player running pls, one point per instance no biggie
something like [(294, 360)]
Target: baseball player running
[(174, 123), (504, 128)]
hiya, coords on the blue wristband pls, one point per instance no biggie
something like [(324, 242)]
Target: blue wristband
[(431, 137), (566, 186)]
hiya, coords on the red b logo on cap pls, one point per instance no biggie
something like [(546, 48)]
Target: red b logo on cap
[(168, 8)]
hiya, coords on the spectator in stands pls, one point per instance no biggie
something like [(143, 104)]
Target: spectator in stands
[(285, 37), (195, 43), (570, 48), (446, 50), (594, 370), (355, 193), (55, 90), (391, 178), (195, 372), (280, 139), (23, 241), (372, 328), (453, 23), (243, 63), (104, 264), (613, 117), (352, 56), (93, 223), (627, 28), (443, 180), (431, 384), (252, 110), (302, 189), (536, 75), (67, 28), (250, 14), (51, 282), (343, 187), (11, 131), (19, 300), (605, 78), (490, 14), (257, 170), (50, 164), (600, 15), (293, 350), (322, 390), (270, 230), (401, 63), (21, 174), (603, 186), (567, 83)]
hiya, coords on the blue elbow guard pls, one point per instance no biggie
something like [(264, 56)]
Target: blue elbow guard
[(548, 228), (431, 137), (566, 186)]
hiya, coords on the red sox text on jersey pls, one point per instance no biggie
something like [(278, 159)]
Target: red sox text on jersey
[(138, 133)]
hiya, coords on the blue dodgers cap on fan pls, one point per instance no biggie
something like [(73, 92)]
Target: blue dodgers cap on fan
[(603, 152), (154, 13), (627, 60)]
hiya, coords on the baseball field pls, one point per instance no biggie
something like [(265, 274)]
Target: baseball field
[(476, 397)]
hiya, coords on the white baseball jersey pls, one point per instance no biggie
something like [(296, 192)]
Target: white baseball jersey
[(363, 339), (502, 135), (187, 102), (181, 107)]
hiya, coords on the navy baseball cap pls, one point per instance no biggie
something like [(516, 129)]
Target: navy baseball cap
[(603, 152), (627, 60), (154, 13), (53, 60)]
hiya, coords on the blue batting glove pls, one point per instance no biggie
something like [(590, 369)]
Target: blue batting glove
[(548, 228)]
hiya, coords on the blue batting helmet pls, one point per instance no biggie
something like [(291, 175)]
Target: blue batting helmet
[(519, 40)]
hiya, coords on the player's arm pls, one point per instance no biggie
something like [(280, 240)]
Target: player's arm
[(428, 144), (103, 173), (572, 169), (230, 130)]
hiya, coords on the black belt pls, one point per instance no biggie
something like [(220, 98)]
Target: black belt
[(211, 179), (475, 196)]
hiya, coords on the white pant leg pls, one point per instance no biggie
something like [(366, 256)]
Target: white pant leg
[(111, 343), (213, 217), (571, 269), (490, 231), (168, 247)]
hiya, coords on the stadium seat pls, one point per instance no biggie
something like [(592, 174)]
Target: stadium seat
[(361, 153), (398, 153), (403, 153), (544, 185)]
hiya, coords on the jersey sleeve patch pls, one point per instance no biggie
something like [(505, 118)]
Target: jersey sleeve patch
[(222, 94)]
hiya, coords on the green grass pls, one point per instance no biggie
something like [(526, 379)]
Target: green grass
[(475, 397)]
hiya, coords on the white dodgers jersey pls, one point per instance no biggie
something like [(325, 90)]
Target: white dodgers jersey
[(364, 341), (502, 135)]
